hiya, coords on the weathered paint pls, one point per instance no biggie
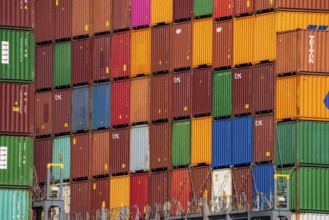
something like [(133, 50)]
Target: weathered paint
[(16, 204), (62, 155), (139, 148)]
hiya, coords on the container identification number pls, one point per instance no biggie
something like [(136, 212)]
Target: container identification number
[(3, 158)]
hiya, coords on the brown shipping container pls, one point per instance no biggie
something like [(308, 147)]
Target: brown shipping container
[(161, 87), (101, 58), (242, 182), (16, 108), (159, 188), (181, 34), (261, 5), (201, 91), (81, 66), (242, 91), (182, 9), (160, 49), (44, 67), (180, 189), (43, 112), (44, 22), (242, 7), (303, 4), (80, 151), (102, 16), (120, 48), (120, 102), (42, 156), (160, 145), (100, 153), (201, 181), (80, 199), (121, 14), (140, 99), (80, 17), (63, 19), (182, 94), (264, 138), (119, 150), (223, 43), (62, 110), (99, 193)]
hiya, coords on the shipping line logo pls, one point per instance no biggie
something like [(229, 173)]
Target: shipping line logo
[(311, 56)]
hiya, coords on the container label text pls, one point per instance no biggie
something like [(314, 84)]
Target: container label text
[(3, 158), (5, 52), (311, 56)]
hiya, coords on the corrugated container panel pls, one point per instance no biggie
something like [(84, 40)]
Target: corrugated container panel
[(222, 143), (264, 138), (119, 150), (66, 198), (44, 66), (120, 63), (160, 145), (160, 48), (201, 181), (243, 7), (139, 148), (62, 64), (16, 167), (304, 4), (80, 198), (100, 153), (81, 21), (222, 43), (202, 42), (140, 100), (17, 108), (17, 59), (203, 7), (161, 11), (42, 156), (201, 93), (302, 97), (181, 34), (242, 184), (63, 19), (140, 13), (263, 5), (182, 94), (62, 101), (222, 93), (15, 203), (119, 192), (43, 113), (181, 143), (101, 58), (263, 180), (139, 193), (102, 16), (286, 143), (221, 188), (161, 93), (180, 189), (182, 9), (121, 14), (62, 155), (81, 62), (120, 102), (80, 153), (80, 109), (99, 193), (201, 141), (44, 22), (159, 188), (101, 105), (140, 52), (309, 216), (223, 8), (242, 140), (242, 94), (16, 13)]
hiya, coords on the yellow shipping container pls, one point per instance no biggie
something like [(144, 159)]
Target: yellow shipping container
[(201, 140), (202, 42), (119, 194), (302, 97), (161, 11), (140, 52)]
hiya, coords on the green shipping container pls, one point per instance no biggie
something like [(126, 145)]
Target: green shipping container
[(222, 93), (203, 7), (17, 55), (303, 142), (62, 155), (16, 164), (308, 188), (181, 143), (15, 204), (62, 64)]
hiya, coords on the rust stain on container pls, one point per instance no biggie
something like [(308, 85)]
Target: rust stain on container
[(80, 152), (43, 112), (120, 102), (182, 9), (81, 17), (80, 199), (121, 60), (182, 98), (62, 101), (121, 14), (158, 190), (242, 91), (63, 19), (264, 138), (102, 16), (140, 99), (180, 189), (119, 150), (44, 23), (81, 66), (140, 52), (201, 92), (223, 43), (242, 7), (99, 192), (160, 48), (44, 67), (139, 193), (242, 182), (201, 181), (181, 34), (101, 58), (42, 156), (100, 153)]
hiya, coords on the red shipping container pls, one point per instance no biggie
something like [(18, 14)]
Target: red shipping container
[(160, 145), (139, 193), (101, 58), (181, 97), (242, 7), (223, 43), (119, 150), (43, 113), (261, 5), (62, 101), (80, 152), (120, 49), (100, 154), (201, 91), (80, 17), (180, 190), (80, 199), (242, 181), (158, 189), (44, 67), (42, 156), (264, 138), (44, 23), (182, 9), (81, 66), (223, 8), (102, 16), (63, 19), (121, 14), (120, 102), (242, 91), (201, 181), (99, 193), (160, 48)]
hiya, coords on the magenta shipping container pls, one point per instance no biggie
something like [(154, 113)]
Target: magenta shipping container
[(140, 12)]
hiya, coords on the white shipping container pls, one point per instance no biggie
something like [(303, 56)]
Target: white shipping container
[(221, 189), (67, 201), (309, 216), (139, 148)]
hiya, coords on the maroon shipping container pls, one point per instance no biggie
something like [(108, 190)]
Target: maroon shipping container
[(160, 49), (182, 9), (223, 43), (80, 151), (264, 138), (242, 91), (120, 102), (160, 145), (158, 189), (43, 113), (99, 193), (120, 49), (102, 12), (181, 34), (44, 67), (161, 90), (242, 185), (261, 5), (121, 14), (81, 57), (62, 101), (42, 156), (223, 8), (81, 17), (63, 19), (242, 7), (80, 199), (16, 108), (119, 150), (100, 154), (44, 23), (201, 181), (182, 94), (139, 193), (302, 4), (201, 91), (17, 13), (101, 58), (180, 189)]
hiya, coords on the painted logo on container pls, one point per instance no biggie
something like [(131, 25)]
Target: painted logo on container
[(115, 136), (326, 100), (258, 123), (237, 76), (4, 52), (311, 55), (177, 80)]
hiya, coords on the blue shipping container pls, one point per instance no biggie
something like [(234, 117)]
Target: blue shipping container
[(243, 140), (101, 105), (62, 155), (80, 108), (222, 143), (15, 204), (264, 180)]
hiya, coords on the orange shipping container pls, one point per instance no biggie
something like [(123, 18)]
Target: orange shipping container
[(119, 194), (140, 52), (80, 17), (100, 153), (102, 11), (140, 100), (161, 11)]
